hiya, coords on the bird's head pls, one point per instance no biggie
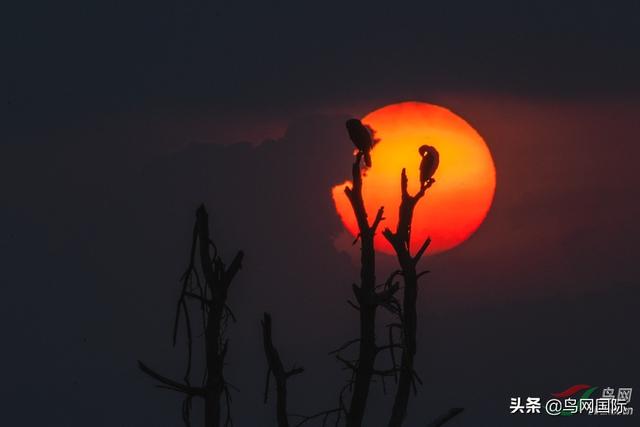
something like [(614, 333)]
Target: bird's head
[(427, 150), (353, 123)]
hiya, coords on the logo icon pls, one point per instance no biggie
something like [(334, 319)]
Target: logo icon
[(577, 399)]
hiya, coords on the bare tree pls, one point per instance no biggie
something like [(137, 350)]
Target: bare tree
[(208, 286), (368, 297), (211, 298), (400, 241), (275, 367), (280, 375)]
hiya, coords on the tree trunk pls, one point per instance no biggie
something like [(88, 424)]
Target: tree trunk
[(214, 357), (276, 368), (401, 243), (366, 297), (409, 330), (212, 298)]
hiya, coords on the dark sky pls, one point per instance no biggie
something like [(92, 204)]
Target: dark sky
[(122, 117)]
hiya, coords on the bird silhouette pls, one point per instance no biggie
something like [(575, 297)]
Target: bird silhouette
[(362, 139), (429, 164)]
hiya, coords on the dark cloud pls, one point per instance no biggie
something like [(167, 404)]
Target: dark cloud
[(95, 237)]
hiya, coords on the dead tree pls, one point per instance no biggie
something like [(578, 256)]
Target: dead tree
[(280, 375), (211, 298), (400, 240), (275, 367), (367, 301), (370, 296)]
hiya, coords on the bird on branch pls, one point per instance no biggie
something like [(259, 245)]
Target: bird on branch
[(429, 164), (362, 138)]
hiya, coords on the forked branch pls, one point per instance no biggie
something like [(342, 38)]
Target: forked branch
[(400, 240), (211, 297), (171, 384), (276, 368)]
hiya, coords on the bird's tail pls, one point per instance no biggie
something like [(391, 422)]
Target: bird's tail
[(367, 158)]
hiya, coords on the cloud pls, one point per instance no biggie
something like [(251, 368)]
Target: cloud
[(96, 233)]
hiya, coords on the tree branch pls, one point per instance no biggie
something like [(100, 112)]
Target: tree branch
[(420, 252), (379, 217), (277, 369), (324, 414), (366, 297), (400, 240), (233, 269), (171, 384), (344, 346), (212, 296)]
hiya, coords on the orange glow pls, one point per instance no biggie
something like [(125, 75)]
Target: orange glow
[(457, 203)]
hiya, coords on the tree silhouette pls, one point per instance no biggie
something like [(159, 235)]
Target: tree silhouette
[(370, 296), (407, 314), (400, 241), (208, 286), (276, 368), (211, 298), (367, 298)]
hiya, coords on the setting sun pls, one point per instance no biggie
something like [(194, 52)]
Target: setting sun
[(457, 203)]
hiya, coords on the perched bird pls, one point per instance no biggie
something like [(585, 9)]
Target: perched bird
[(362, 139), (429, 164)]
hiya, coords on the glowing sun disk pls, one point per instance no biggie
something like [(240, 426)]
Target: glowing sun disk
[(455, 206)]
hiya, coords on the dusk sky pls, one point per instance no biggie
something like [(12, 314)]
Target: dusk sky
[(122, 117)]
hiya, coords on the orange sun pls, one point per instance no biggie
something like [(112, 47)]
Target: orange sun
[(457, 203)]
